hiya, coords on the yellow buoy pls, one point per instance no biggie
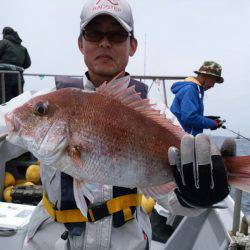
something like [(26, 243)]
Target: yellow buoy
[(7, 194), (9, 180), (33, 174), (148, 204), (20, 182), (25, 183), (28, 183)]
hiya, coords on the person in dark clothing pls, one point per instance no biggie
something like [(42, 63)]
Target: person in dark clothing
[(12, 53), (188, 102)]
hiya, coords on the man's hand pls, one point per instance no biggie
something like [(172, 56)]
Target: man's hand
[(199, 171), (213, 117), (218, 124), (217, 121)]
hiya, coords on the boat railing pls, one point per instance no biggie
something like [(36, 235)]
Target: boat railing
[(237, 212), (245, 223), (3, 84), (139, 77), (150, 80)]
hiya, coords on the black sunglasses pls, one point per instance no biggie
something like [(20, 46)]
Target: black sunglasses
[(112, 36)]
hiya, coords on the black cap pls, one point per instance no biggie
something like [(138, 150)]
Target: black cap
[(8, 31)]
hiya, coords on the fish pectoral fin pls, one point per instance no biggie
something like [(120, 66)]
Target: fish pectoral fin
[(79, 197), (77, 160), (75, 152), (158, 192)]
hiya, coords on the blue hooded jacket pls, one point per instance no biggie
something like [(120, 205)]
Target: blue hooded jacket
[(188, 107)]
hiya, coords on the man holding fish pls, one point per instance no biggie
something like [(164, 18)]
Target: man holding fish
[(100, 149)]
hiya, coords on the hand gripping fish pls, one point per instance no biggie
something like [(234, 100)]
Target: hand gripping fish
[(110, 136)]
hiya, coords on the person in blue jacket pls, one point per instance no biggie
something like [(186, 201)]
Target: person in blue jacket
[(188, 102)]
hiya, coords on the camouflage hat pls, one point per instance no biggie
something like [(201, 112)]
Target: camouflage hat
[(211, 68)]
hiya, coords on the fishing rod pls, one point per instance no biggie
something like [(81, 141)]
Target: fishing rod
[(224, 127)]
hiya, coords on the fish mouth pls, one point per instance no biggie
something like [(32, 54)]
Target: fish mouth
[(12, 124), (13, 129), (15, 136)]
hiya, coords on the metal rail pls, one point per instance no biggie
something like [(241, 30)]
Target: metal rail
[(3, 84), (245, 223), (237, 210), (141, 77), (153, 79)]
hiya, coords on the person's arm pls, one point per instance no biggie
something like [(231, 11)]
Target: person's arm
[(27, 61), (189, 110), (199, 173), (144, 92)]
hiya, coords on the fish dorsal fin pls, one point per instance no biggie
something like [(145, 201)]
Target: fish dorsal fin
[(118, 90)]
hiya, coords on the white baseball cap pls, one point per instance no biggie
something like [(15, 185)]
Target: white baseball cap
[(119, 9)]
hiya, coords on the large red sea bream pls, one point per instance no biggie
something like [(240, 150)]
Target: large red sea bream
[(110, 136)]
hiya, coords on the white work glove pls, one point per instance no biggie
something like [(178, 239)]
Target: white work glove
[(199, 171)]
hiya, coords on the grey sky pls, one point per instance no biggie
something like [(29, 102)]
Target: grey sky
[(180, 35)]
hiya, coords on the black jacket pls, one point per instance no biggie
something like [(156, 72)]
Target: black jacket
[(12, 52)]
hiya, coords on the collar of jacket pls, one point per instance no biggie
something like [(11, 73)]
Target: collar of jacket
[(88, 85), (192, 79), (13, 38)]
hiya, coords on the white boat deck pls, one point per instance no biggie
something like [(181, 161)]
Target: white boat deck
[(209, 231)]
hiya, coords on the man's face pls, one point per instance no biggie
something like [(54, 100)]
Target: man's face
[(209, 82), (106, 58)]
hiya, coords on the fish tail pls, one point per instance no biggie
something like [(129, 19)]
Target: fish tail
[(238, 170)]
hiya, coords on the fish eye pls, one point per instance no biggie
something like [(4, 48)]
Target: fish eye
[(41, 109)]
